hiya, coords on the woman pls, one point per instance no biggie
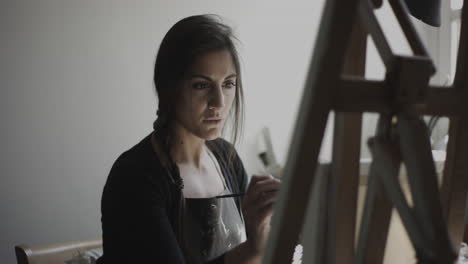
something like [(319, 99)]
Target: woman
[(180, 195)]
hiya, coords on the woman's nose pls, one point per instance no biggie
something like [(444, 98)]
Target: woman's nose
[(217, 98)]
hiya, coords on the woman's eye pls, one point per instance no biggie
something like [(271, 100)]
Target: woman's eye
[(230, 84), (201, 85)]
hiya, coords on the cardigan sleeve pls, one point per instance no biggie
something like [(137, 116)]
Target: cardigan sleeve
[(237, 171), (135, 224), (241, 173)]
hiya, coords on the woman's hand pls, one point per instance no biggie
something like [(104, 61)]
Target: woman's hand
[(257, 207)]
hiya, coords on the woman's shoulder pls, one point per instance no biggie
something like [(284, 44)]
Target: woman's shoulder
[(226, 153), (230, 162), (221, 147), (136, 165), (137, 176), (139, 156)]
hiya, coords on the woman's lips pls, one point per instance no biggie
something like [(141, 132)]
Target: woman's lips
[(212, 121)]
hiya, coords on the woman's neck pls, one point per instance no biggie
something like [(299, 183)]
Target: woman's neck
[(186, 148)]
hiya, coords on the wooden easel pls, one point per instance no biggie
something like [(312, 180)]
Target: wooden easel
[(436, 221)]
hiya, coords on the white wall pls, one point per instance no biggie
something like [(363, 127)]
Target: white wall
[(76, 91)]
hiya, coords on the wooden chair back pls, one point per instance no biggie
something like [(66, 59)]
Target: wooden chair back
[(53, 254)]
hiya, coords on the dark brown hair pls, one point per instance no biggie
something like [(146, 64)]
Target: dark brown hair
[(188, 39)]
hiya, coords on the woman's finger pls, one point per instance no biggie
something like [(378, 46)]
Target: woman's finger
[(267, 185), (259, 177), (261, 201), (254, 180), (265, 199), (259, 210), (265, 213), (259, 185)]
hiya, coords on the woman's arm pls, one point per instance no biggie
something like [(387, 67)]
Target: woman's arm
[(258, 209)]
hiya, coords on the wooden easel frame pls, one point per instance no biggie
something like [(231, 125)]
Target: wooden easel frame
[(339, 53)]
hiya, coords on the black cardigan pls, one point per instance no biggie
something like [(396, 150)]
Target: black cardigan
[(141, 205)]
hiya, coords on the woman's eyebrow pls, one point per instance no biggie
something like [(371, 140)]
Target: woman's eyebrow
[(208, 78), (231, 76), (200, 76)]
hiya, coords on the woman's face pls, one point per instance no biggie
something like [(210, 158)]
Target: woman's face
[(207, 94)]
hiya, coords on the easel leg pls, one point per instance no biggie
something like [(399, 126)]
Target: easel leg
[(455, 180), (417, 156), (317, 102), (375, 220), (345, 165)]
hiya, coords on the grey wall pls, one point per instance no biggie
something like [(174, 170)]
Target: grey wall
[(76, 91)]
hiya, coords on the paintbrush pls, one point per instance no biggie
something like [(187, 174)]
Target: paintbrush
[(230, 195), (237, 194)]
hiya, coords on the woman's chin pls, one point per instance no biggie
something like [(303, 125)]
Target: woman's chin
[(213, 134)]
